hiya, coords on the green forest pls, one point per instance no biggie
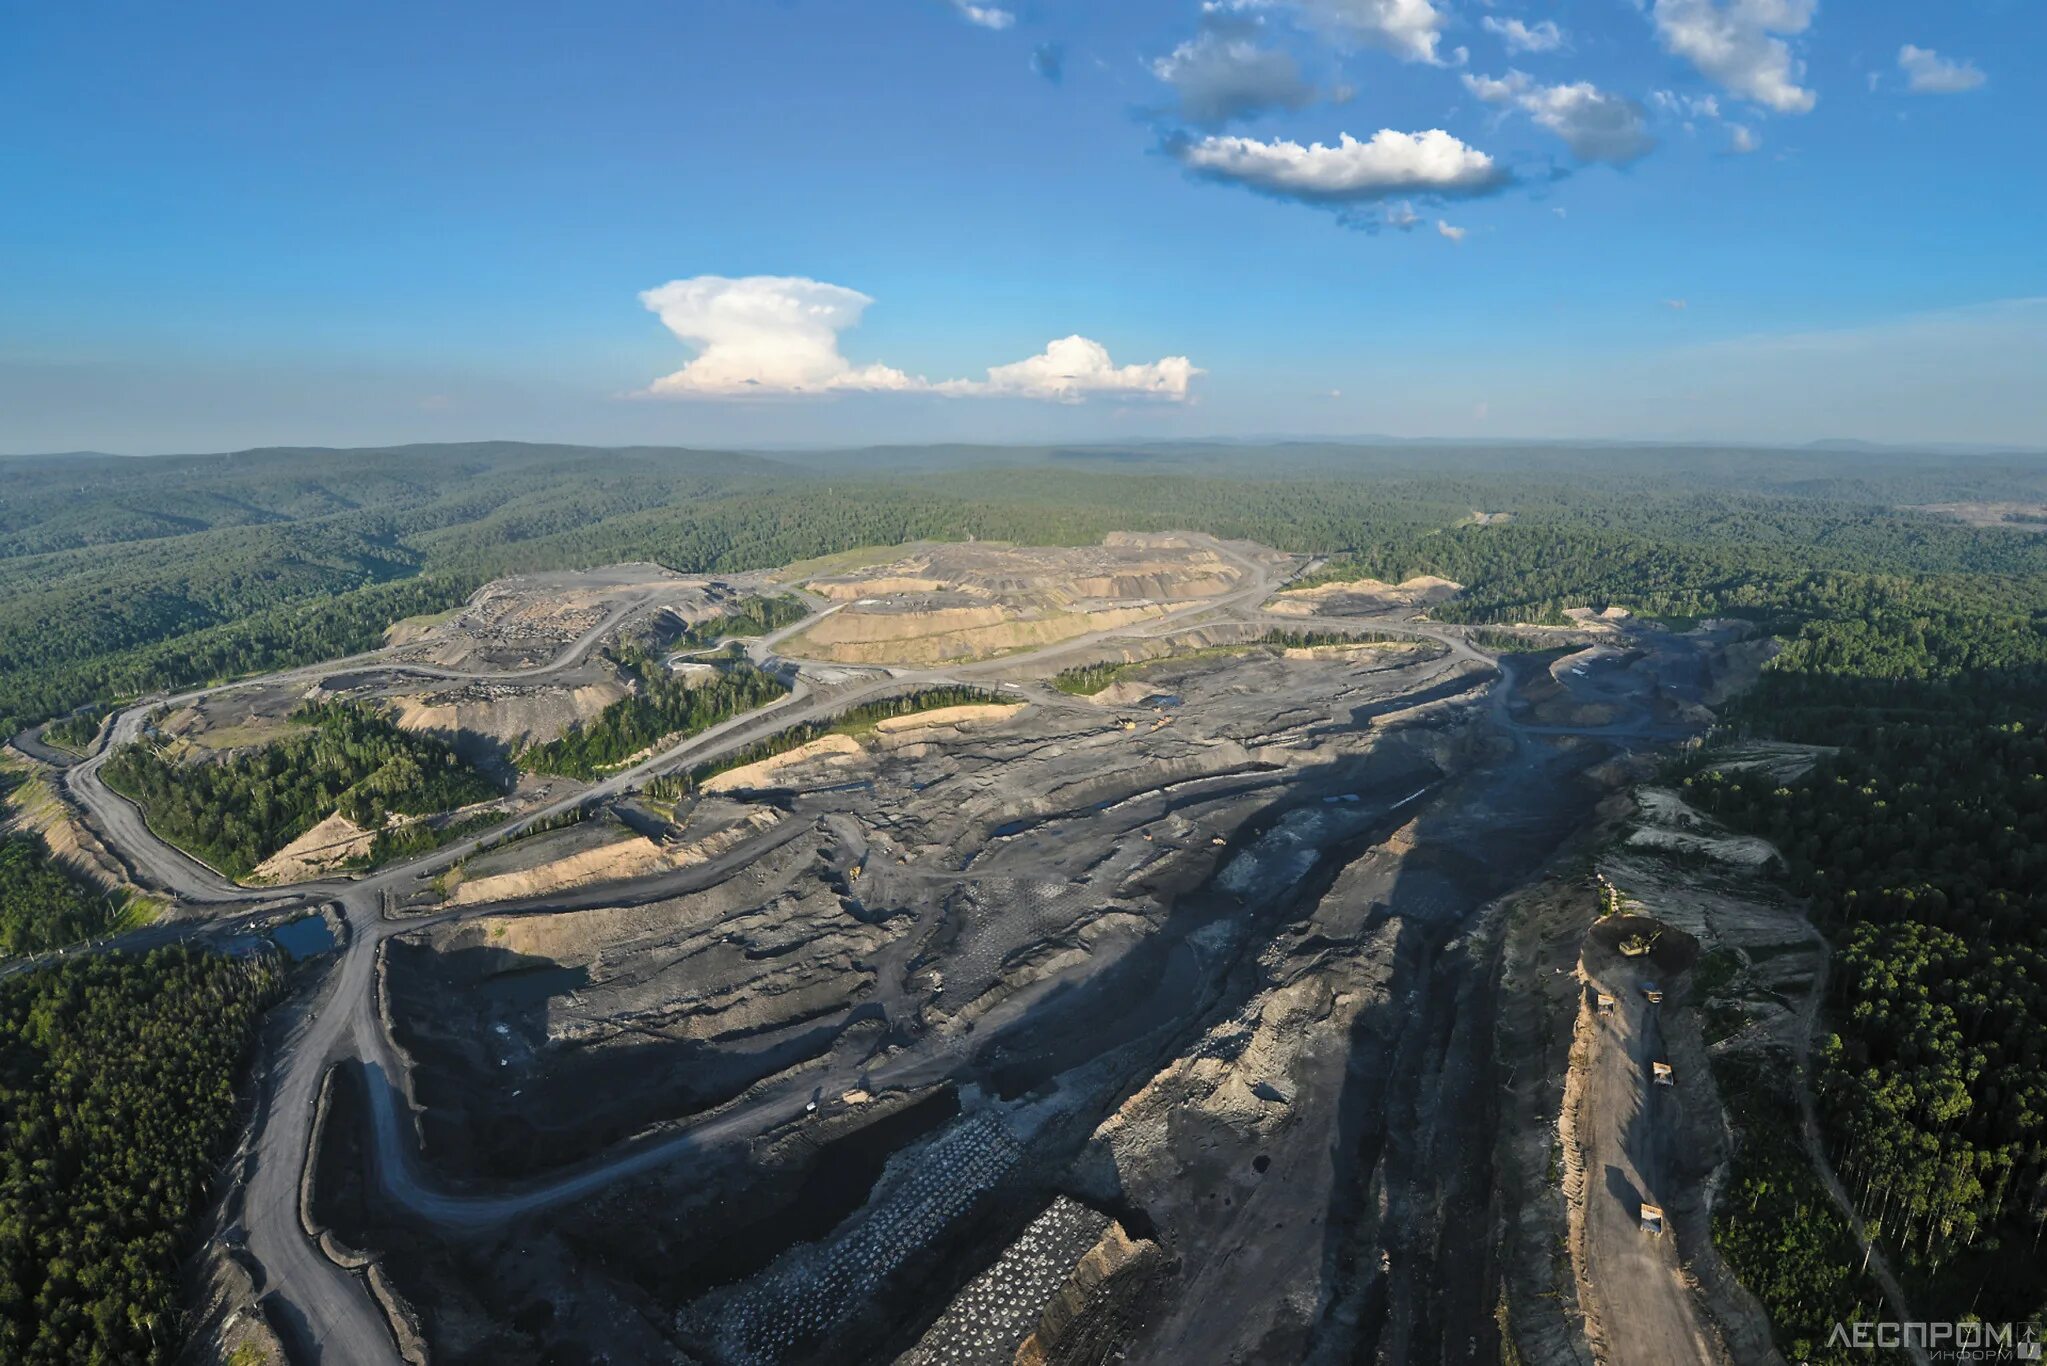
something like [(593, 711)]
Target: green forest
[(117, 1083), (666, 705), (238, 811), (1923, 848), (43, 905), (1779, 1230)]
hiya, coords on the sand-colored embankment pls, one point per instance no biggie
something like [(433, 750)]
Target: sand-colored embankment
[(1363, 595), (841, 751), (413, 629), (33, 808), (953, 633), (881, 586), (833, 749), (1126, 692), (874, 628), (1351, 650), (950, 716), (631, 857), (321, 849), (1605, 619), (1168, 585), (513, 717)]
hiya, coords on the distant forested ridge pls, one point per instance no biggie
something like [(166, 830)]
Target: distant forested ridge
[(178, 570)]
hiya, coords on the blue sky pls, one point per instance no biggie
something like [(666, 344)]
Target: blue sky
[(737, 222)]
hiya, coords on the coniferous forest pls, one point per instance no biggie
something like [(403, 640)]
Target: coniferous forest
[(347, 758), (665, 706), (117, 1085)]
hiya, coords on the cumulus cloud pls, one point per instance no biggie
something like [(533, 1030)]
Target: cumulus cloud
[(1409, 29), (1453, 233), (1520, 37), (1222, 74), (1741, 45), (1929, 73), (1595, 125), (778, 336), (1743, 139), (987, 16), (1349, 171), (767, 334), (1401, 216), (1072, 369)]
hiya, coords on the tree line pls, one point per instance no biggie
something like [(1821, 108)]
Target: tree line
[(665, 705)]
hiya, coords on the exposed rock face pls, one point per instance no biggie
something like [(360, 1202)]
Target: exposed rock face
[(936, 634), (832, 750), (511, 715), (630, 856), (1233, 1146), (1363, 596), (36, 808), (328, 845)]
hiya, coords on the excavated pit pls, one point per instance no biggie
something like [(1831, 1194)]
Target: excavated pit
[(1066, 1040)]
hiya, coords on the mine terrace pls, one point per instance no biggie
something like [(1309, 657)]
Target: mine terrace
[(917, 952)]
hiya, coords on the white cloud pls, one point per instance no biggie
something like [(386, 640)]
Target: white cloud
[(1520, 37), (1349, 171), (1595, 125), (1223, 74), (1688, 106), (1740, 44), (1453, 233), (1929, 73), (1401, 216), (764, 334), (987, 16), (1072, 368), (1743, 139), (778, 336), (1409, 29), (1675, 305)]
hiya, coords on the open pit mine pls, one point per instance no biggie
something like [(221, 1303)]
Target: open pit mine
[(1087, 955)]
